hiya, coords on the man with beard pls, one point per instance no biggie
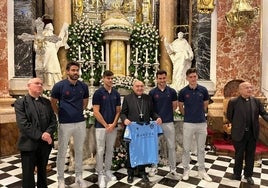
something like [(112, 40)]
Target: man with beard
[(69, 98)]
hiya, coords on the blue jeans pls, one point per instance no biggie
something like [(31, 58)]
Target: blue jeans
[(66, 130)]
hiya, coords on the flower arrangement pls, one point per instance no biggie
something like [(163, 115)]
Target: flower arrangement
[(123, 82), (119, 158), (177, 114), (46, 93), (89, 117), (89, 38), (144, 37)]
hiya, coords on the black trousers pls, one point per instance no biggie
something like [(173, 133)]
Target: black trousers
[(131, 171), (38, 158), (247, 147)]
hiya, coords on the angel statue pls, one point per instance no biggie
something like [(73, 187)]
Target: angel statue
[(46, 45), (51, 64)]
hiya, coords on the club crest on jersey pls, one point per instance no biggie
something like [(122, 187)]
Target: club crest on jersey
[(126, 133)]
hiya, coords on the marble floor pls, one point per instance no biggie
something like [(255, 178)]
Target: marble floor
[(218, 167)]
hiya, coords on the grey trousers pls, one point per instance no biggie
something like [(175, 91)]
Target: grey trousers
[(199, 130), (66, 130), (105, 144), (169, 134)]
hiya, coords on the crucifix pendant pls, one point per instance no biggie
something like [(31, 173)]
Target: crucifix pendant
[(141, 115)]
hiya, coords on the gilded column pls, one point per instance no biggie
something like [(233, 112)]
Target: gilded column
[(166, 29), (62, 14)]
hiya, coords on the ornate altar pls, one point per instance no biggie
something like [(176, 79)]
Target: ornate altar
[(117, 32)]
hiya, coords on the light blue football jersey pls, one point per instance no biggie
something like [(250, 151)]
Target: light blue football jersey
[(143, 143)]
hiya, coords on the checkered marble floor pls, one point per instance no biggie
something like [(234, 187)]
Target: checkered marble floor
[(218, 167)]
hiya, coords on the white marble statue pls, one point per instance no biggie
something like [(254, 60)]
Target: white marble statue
[(181, 55), (51, 64)]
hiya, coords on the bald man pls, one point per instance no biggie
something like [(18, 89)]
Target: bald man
[(137, 107), (243, 113), (37, 123)]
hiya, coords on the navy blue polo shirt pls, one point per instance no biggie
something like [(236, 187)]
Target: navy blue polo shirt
[(162, 102), (193, 100), (108, 103), (70, 99)]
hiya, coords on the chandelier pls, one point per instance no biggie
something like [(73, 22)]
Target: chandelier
[(241, 15)]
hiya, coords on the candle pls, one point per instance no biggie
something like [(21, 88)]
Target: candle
[(102, 53), (79, 53), (156, 55), (137, 55), (146, 57), (91, 52)]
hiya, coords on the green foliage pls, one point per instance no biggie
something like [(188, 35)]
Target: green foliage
[(89, 117), (84, 34), (143, 36)]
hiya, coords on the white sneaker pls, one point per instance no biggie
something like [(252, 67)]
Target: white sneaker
[(110, 175), (185, 175), (101, 181), (173, 174), (153, 171), (204, 175), (80, 182), (61, 184)]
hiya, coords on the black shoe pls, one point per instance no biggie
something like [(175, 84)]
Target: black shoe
[(145, 178), (236, 177), (130, 179), (250, 180)]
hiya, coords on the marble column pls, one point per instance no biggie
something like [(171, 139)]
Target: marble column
[(238, 58), (62, 14), (24, 14), (166, 24), (201, 34), (3, 47)]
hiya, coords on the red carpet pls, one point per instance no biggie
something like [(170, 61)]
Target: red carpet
[(227, 146)]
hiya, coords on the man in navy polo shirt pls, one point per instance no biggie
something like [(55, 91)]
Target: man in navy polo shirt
[(106, 108), (193, 103), (69, 98), (164, 103)]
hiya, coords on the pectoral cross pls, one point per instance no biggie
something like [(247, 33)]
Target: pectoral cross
[(141, 115)]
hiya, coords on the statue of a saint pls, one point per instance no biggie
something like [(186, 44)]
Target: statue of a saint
[(51, 64), (181, 55), (46, 46)]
